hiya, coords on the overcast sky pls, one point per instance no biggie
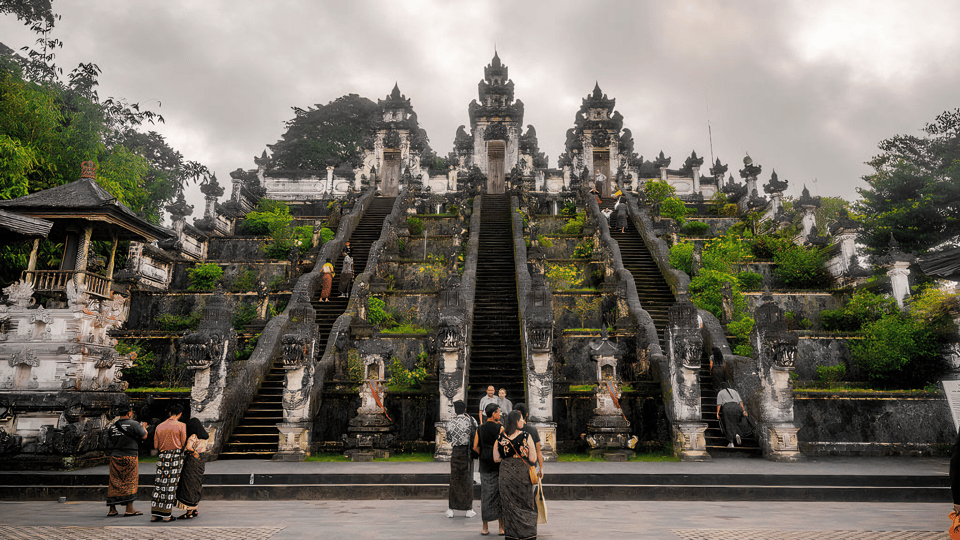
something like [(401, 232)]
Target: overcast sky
[(808, 88)]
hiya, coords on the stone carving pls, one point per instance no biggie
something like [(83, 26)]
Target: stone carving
[(774, 343), (41, 315), (24, 357), (77, 297), (683, 333), (450, 383), (20, 294), (107, 359)]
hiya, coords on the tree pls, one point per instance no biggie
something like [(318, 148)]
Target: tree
[(914, 192), (328, 135)]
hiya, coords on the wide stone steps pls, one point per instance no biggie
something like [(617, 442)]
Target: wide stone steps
[(256, 436), (613, 486), (716, 442), (655, 295)]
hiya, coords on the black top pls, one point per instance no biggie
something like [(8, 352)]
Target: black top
[(511, 447), (488, 433), (533, 433), (129, 444)]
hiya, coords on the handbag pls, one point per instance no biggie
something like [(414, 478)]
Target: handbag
[(541, 505)]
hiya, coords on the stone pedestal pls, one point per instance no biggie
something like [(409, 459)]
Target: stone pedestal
[(294, 441), (371, 432), (780, 441), (689, 439), (548, 439)]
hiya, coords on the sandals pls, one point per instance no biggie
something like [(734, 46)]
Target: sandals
[(134, 513), (112, 514), (189, 515), (155, 519)]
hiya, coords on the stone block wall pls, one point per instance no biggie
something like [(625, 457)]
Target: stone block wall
[(802, 305), (876, 424)]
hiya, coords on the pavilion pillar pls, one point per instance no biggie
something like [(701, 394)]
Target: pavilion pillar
[(82, 252), (110, 264), (32, 264)]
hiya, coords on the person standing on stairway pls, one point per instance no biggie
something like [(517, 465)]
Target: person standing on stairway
[(326, 280), (731, 413), (506, 406), (491, 397), (621, 209), (461, 430), (346, 273)]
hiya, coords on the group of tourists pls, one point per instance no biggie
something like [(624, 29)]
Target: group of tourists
[(180, 465), (510, 458)]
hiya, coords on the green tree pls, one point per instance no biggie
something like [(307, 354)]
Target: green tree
[(327, 135), (914, 192)]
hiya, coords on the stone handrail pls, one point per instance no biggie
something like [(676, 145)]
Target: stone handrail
[(468, 283), (246, 378), (624, 282)]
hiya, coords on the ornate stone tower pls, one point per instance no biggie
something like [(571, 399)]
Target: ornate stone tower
[(495, 123), (598, 149), (397, 142)]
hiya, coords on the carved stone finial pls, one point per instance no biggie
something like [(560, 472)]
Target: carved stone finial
[(88, 169)]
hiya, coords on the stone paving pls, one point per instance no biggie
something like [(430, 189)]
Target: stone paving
[(407, 519)]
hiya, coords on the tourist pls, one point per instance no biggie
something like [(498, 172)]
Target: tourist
[(460, 433), (326, 281), (607, 213), (534, 433), (346, 274), (191, 478), (954, 530), (491, 397), (731, 413), (621, 209), (506, 406), (124, 438), (483, 443), (517, 507), (168, 439)]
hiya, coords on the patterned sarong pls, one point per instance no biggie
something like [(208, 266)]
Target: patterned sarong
[(164, 499), (124, 480), (490, 495), (517, 506), (461, 479)]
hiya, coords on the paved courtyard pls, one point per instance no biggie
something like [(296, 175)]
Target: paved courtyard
[(407, 519)]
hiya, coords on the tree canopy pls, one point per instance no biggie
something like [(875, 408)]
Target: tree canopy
[(914, 192), (327, 135)]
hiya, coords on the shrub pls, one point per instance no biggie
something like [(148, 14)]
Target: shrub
[(377, 313), (569, 209), (765, 246), (415, 226), (243, 314), (729, 210), (681, 256), (261, 220), (400, 376), (740, 329), (244, 352), (574, 227), (170, 322), (657, 191), (831, 375), (204, 277), (326, 235), (802, 268), (246, 281), (674, 209), (695, 228), (750, 281), (706, 291), (145, 371), (583, 250)]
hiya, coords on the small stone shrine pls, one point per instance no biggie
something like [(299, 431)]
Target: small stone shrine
[(608, 432)]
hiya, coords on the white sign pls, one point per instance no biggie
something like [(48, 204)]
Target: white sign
[(952, 391)]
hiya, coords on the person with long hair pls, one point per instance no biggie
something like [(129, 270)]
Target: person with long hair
[(516, 454), (326, 281), (124, 436), (168, 439), (483, 444), (191, 477)]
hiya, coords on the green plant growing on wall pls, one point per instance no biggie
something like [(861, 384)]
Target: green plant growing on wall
[(263, 219), (750, 281), (574, 227), (244, 282), (415, 226), (204, 277), (377, 314), (828, 376), (326, 235), (243, 353), (695, 228), (586, 306), (740, 329), (400, 377), (799, 267), (681, 256), (354, 365), (584, 250), (170, 322), (864, 307), (243, 314), (145, 370), (569, 209), (561, 276)]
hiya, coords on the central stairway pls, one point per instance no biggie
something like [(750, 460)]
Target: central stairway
[(256, 436), (495, 357)]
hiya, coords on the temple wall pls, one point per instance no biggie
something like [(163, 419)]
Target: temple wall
[(879, 424), (643, 407), (802, 305)]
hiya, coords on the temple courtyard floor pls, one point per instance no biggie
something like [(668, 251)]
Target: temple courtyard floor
[(404, 519)]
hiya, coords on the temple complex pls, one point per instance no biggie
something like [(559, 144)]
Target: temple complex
[(484, 267)]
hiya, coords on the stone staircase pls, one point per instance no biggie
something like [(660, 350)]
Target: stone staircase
[(715, 441), (655, 295), (255, 437), (496, 356)]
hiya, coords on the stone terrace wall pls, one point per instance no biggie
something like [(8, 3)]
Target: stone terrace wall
[(875, 424)]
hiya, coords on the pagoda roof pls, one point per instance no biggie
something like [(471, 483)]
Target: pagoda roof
[(84, 200), (25, 226)]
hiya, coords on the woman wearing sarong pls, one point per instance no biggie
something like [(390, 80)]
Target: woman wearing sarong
[(513, 451), (326, 281), (124, 460), (191, 477), (621, 209), (460, 433), (168, 439), (483, 444)]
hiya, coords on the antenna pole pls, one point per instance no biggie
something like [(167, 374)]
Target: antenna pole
[(709, 129)]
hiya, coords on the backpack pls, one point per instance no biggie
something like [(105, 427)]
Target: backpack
[(112, 436)]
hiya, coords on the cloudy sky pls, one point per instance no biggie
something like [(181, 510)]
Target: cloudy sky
[(808, 88)]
